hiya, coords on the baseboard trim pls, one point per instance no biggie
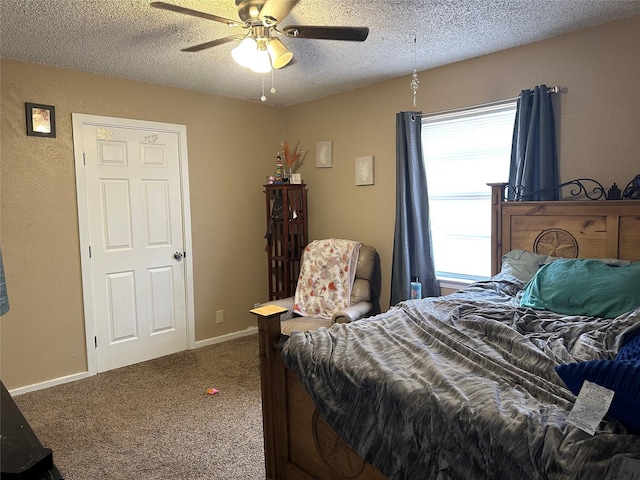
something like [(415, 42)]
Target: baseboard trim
[(79, 376), (226, 337), (50, 383)]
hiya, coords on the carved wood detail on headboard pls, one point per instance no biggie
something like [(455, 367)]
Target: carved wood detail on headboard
[(557, 243)]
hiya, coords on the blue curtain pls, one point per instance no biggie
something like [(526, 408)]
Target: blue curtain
[(412, 250), (534, 164)]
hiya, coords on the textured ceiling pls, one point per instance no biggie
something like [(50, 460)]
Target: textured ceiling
[(129, 39)]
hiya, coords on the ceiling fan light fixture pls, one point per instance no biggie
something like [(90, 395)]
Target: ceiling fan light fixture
[(261, 62), (257, 50), (244, 54), (280, 55)]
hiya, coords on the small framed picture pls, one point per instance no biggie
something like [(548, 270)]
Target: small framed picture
[(365, 171), (41, 120), (296, 178), (324, 154)]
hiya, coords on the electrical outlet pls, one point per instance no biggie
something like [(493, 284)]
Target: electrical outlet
[(220, 316)]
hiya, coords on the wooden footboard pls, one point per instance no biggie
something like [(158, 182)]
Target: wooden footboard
[(298, 443)]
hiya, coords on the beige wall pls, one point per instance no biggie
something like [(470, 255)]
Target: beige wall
[(42, 337), (598, 123)]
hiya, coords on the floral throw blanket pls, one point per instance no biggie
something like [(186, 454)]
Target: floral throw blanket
[(326, 277)]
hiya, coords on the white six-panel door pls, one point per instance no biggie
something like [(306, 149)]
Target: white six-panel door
[(131, 187)]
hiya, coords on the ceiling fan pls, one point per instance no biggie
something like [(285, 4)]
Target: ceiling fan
[(259, 50)]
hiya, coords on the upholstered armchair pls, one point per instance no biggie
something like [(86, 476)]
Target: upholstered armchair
[(364, 299)]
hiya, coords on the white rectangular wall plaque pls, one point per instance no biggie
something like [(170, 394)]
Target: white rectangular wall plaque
[(324, 154), (365, 170)]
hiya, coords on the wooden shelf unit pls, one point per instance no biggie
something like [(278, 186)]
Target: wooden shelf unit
[(287, 236)]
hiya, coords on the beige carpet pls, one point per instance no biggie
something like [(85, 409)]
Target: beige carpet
[(155, 420)]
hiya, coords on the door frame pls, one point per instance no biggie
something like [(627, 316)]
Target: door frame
[(78, 120)]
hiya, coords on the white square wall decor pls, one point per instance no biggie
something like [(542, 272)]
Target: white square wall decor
[(365, 170), (324, 154)]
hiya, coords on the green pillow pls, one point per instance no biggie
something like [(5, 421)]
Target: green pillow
[(584, 287), (524, 264)]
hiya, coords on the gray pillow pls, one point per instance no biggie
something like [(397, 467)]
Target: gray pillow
[(523, 264)]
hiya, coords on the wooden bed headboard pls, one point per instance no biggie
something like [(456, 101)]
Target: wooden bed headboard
[(572, 229)]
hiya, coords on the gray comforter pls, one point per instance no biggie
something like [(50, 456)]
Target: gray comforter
[(464, 387)]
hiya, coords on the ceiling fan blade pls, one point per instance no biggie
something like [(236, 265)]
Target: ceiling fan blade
[(213, 43), (350, 34), (274, 11), (195, 13)]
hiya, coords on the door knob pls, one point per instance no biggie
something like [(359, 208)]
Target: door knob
[(178, 256)]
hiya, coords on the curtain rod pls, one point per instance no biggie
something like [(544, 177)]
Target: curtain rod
[(554, 90)]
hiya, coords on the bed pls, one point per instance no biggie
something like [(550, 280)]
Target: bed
[(468, 385)]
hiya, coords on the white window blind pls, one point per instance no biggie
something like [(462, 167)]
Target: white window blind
[(463, 151)]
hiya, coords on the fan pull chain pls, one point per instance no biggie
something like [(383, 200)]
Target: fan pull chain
[(273, 83), (263, 97)]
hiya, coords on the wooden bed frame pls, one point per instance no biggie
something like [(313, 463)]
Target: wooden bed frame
[(299, 444)]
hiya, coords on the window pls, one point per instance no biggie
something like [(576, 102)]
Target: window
[(463, 151)]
